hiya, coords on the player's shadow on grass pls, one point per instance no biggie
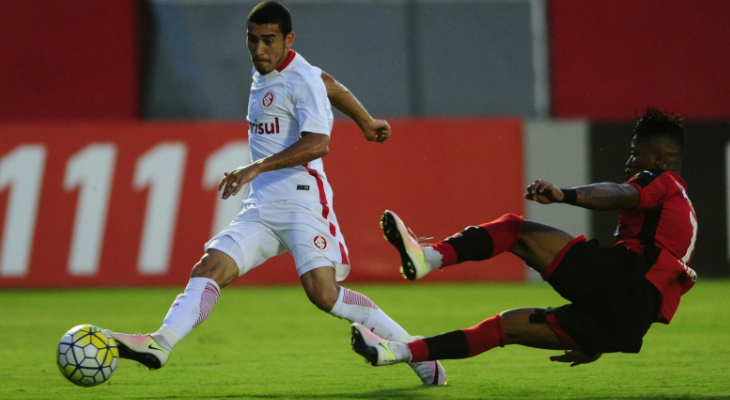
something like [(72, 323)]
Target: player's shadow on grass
[(403, 393), (407, 393), (650, 397)]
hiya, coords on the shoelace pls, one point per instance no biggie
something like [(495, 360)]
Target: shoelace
[(419, 240)]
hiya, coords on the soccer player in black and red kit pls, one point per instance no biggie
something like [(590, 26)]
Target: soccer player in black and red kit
[(615, 293)]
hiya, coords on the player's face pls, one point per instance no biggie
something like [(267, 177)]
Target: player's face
[(267, 45), (641, 158)]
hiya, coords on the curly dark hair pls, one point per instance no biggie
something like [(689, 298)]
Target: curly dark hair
[(658, 124)]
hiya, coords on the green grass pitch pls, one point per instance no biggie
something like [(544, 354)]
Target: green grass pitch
[(270, 343)]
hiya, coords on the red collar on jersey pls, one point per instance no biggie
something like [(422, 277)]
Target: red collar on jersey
[(286, 63)]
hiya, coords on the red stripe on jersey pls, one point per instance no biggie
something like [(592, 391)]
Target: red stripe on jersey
[(553, 323), (326, 211), (559, 258), (287, 61)]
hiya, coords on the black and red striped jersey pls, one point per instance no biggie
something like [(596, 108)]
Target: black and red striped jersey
[(664, 230)]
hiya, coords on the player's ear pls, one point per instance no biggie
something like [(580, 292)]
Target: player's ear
[(289, 40)]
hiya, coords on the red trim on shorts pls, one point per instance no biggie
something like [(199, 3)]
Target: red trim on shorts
[(326, 210), (553, 323), (345, 259), (551, 268), (287, 61)]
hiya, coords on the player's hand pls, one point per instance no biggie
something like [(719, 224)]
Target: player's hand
[(544, 192), (575, 357), (377, 130), (233, 181)]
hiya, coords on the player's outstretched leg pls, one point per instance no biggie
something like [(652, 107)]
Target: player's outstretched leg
[(189, 310), (356, 307), (475, 243), (319, 284)]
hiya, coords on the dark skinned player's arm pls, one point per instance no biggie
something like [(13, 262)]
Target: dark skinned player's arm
[(597, 196), (607, 196)]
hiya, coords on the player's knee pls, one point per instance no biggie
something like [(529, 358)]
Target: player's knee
[(323, 297), (512, 222), (515, 323), (217, 266)]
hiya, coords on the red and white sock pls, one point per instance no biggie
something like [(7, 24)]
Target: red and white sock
[(189, 310), (356, 307)]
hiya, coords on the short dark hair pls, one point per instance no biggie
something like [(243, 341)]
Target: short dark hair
[(271, 12), (655, 123)]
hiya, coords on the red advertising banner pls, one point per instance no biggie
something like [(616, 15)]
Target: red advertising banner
[(131, 204), (69, 60), (609, 60)]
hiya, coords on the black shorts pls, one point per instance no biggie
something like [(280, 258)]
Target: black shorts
[(612, 303)]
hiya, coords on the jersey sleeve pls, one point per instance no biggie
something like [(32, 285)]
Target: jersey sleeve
[(310, 106), (654, 187)]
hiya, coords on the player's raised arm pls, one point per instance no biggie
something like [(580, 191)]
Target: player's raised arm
[(597, 196), (343, 100)]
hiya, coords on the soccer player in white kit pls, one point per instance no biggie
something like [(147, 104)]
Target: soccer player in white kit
[(288, 206)]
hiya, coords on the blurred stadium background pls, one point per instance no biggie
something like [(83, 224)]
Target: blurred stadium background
[(118, 117)]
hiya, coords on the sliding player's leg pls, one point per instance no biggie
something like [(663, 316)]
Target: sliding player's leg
[(537, 244), (324, 292), (510, 327)]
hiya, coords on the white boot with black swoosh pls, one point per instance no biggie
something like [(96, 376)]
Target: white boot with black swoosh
[(141, 348)]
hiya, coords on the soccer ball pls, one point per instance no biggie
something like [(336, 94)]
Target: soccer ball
[(87, 356)]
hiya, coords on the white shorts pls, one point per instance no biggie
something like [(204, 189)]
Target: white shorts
[(308, 231)]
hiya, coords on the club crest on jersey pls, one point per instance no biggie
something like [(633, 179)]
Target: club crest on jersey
[(320, 242), (268, 99)]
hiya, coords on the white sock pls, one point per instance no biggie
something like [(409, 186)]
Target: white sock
[(189, 310), (434, 259), (356, 307)]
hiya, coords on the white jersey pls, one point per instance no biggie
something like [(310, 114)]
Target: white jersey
[(283, 104)]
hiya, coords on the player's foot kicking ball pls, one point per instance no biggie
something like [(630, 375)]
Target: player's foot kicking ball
[(413, 261), (378, 352), (141, 348)]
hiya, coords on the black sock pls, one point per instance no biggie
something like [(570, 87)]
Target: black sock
[(451, 345), (472, 244)]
